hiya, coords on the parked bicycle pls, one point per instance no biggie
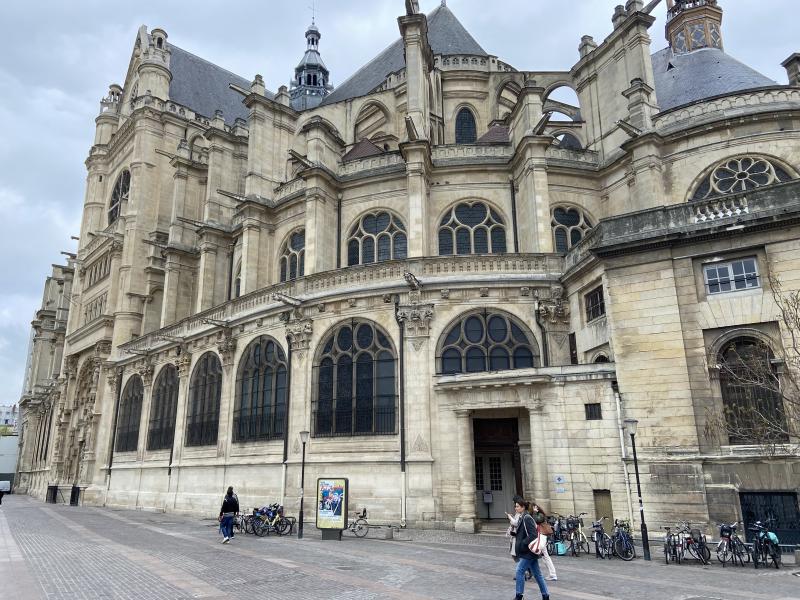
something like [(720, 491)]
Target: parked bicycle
[(359, 526), (559, 535), (577, 539), (695, 543), (766, 546), (622, 541), (270, 518), (673, 546), (731, 548), (602, 541)]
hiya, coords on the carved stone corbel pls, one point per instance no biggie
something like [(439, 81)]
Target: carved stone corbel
[(226, 347), (183, 363), (298, 334)]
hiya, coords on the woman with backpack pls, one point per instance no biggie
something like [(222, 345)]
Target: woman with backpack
[(527, 534)]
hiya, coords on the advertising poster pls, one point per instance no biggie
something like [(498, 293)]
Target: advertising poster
[(331, 503)]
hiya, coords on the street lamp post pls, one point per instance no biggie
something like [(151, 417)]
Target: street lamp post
[(631, 425), (304, 436)]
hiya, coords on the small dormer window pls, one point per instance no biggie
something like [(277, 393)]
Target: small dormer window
[(160, 43)]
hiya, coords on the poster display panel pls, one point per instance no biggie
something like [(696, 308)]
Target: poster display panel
[(332, 500)]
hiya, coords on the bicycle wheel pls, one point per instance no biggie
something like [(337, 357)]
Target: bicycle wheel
[(360, 528), (723, 552), (584, 543), (261, 528), (249, 525), (705, 553), (695, 553), (741, 550), (679, 552), (624, 548), (775, 556), (283, 526)]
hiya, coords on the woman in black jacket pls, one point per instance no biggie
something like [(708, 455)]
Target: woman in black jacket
[(230, 508), (527, 533)]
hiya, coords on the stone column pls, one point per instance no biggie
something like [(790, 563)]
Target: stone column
[(184, 366), (541, 487), (466, 520), (226, 346)]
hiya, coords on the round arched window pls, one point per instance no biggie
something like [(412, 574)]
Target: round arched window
[(466, 131), (163, 409), (205, 391), (472, 228), (261, 392), (355, 376), (121, 191), (375, 238), (570, 225), (293, 256), (740, 174), (487, 341)]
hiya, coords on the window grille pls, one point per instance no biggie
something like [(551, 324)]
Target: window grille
[(472, 228), (377, 237), (293, 256), (732, 276), (205, 390), (478, 473), (593, 412), (595, 304), (130, 412), (163, 409), (121, 192), (261, 393), (356, 383), (741, 174), (466, 131), (495, 473), (486, 341)]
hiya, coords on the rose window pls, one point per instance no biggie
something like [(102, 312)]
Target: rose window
[(742, 174)]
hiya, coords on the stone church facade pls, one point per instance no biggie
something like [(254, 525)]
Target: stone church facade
[(454, 281)]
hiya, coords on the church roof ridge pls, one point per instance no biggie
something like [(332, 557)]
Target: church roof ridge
[(446, 35)]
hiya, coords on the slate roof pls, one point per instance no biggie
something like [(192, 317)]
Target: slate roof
[(446, 35), (362, 149), (203, 86), (311, 58), (495, 135), (701, 74)]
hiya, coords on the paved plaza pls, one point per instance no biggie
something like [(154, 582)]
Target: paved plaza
[(60, 552)]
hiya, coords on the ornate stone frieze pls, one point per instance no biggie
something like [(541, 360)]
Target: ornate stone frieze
[(554, 309), (71, 367), (416, 319), (183, 363), (298, 333)]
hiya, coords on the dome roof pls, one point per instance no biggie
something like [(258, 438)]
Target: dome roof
[(311, 59), (685, 78)]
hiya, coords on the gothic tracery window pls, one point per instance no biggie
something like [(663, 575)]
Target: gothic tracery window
[(377, 237), (750, 385), (570, 226), (293, 256), (487, 341), (466, 131), (472, 228), (356, 391), (205, 390), (261, 392), (740, 174), (163, 408), (130, 412), (121, 191)]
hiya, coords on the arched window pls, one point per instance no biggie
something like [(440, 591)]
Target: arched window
[(740, 174), (261, 392), (355, 376), (237, 282), (471, 228), (487, 341), (293, 256), (466, 131), (751, 397), (601, 358), (163, 408), (205, 389), (570, 225), (130, 413), (121, 191), (375, 238)]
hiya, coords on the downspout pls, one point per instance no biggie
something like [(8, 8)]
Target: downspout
[(339, 231), (286, 418), (514, 213), (230, 270), (402, 361), (545, 349), (623, 449), (115, 416)]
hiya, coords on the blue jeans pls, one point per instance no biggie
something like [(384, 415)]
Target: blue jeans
[(226, 527), (533, 564)]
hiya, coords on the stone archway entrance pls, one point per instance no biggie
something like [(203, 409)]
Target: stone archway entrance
[(498, 473)]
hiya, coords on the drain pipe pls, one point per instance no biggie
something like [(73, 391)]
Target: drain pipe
[(286, 418), (402, 361), (623, 450), (545, 350)]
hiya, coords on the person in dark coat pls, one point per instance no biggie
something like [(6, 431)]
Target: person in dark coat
[(527, 533), (230, 508)]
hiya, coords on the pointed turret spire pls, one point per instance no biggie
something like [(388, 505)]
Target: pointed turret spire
[(311, 82), (694, 24)]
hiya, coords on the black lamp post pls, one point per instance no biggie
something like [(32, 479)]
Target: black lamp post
[(631, 425), (304, 435)]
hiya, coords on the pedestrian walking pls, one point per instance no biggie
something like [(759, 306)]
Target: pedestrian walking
[(527, 532), (541, 519), (230, 508)]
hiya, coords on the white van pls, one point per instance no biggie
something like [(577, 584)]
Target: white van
[(5, 487)]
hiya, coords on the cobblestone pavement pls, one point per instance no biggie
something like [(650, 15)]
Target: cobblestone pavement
[(60, 552)]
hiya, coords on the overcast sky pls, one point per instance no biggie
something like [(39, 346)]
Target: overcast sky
[(57, 59)]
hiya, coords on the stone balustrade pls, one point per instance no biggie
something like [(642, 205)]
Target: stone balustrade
[(370, 163), (580, 158), (290, 188), (471, 151)]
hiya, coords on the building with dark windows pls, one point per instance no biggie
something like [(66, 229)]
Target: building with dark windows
[(460, 276)]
